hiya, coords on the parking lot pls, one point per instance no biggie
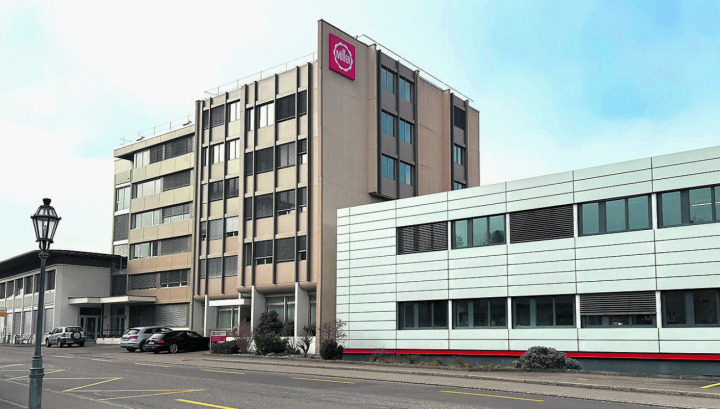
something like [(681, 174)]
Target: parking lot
[(108, 376)]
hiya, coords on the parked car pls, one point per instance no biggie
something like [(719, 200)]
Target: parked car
[(175, 341), (62, 336), (135, 338)]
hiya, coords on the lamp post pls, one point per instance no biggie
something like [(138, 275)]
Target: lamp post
[(45, 222)]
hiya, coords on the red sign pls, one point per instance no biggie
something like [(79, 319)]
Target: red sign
[(218, 336), (342, 56)]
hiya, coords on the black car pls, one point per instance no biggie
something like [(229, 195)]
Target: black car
[(175, 341)]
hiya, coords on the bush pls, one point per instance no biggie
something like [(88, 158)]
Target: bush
[(289, 329), (382, 356), (269, 343), (269, 323), (243, 337), (229, 347), (412, 358), (461, 362), (545, 358), (330, 350)]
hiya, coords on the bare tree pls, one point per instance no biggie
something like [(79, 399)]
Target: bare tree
[(305, 339), (243, 337), (332, 330)]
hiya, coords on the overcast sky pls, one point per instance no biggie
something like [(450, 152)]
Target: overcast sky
[(559, 84)]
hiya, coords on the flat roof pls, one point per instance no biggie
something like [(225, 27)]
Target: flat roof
[(30, 261)]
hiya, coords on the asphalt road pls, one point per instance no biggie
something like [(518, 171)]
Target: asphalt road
[(97, 377)]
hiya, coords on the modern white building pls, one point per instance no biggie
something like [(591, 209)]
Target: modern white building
[(618, 265)]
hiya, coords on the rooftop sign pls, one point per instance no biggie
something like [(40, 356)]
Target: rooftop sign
[(342, 56)]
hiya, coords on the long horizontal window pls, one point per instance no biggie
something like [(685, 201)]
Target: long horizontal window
[(549, 223), (177, 278), (480, 313), (423, 314), (691, 308), (480, 231), (422, 238), (167, 150), (285, 108), (161, 184), (690, 206), (163, 247), (547, 311), (143, 281), (623, 309), (612, 216), (146, 219)]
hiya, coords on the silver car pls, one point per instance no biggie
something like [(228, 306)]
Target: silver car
[(135, 338), (62, 336)]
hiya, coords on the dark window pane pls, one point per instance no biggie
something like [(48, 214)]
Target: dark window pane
[(522, 312), (459, 117), (462, 318), (285, 108), (480, 313), (717, 203), (705, 307), (248, 163), (480, 232), (544, 311), (671, 209), (675, 308), (408, 315), (440, 314), (264, 160), (263, 206), (498, 314), (424, 314), (700, 205), (461, 234), (497, 229), (302, 103), (590, 220), (638, 213), (565, 310), (615, 215)]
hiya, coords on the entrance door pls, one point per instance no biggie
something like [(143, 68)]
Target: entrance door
[(91, 326)]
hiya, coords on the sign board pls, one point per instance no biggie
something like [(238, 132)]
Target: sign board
[(342, 56), (218, 336), (3, 313)]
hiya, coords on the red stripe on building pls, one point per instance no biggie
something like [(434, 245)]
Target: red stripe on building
[(603, 355)]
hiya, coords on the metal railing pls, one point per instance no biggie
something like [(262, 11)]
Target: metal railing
[(159, 129), (232, 86)]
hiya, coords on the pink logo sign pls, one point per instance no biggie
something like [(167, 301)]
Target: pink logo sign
[(342, 57)]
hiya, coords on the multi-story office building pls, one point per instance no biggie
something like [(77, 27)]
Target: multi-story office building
[(616, 264), (264, 171)]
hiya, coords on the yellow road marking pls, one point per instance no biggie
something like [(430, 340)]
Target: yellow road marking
[(155, 394), (210, 405), (709, 386), (322, 380), (92, 384), (8, 366), (213, 370), (492, 396), (155, 365)]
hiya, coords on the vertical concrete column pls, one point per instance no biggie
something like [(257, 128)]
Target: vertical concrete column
[(205, 316), (302, 309), (257, 307)]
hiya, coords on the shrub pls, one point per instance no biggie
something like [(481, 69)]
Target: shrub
[(545, 358), (382, 356), (412, 358), (289, 329), (329, 349), (243, 337), (229, 347), (269, 323), (305, 339), (461, 362), (269, 343)]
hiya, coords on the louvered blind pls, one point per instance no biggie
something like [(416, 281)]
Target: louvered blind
[(214, 267), (263, 248), (121, 250), (156, 154), (171, 315), (217, 115), (216, 191), (627, 303), (422, 238), (175, 245), (173, 278), (119, 285), (541, 224), (231, 224), (122, 227), (179, 147), (231, 266), (232, 188), (263, 206), (174, 211), (216, 229), (285, 249), (203, 269), (17, 324), (302, 196), (176, 180), (143, 281)]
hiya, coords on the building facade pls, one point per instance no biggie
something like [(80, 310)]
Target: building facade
[(617, 265), (270, 163)]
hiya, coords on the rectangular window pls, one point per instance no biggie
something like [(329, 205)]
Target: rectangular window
[(147, 188), (249, 120), (458, 186), (122, 198), (423, 314), (205, 156), (231, 226), (233, 149), (203, 231), (302, 248), (387, 167), (302, 151), (175, 245), (230, 266), (387, 123), (458, 155), (691, 308), (548, 223), (387, 80), (422, 238), (302, 199), (248, 164), (302, 103), (247, 208), (405, 89), (406, 172), (177, 278), (144, 250), (216, 190), (29, 285), (232, 187), (263, 206), (18, 287), (617, 215), (247, 251), (265, 115), (405, 131), (204, 193), (285, 202), (143, 281), (285, 250), (2, 290), (546, 311), (214, 267), (176, 213), (146, 219), (174, 181), (215, 229), (217, 115), (285, 108), (459, 117), (480, 313), (234, 111), (217, 153), (264, 160), (477, 232), (283, 306), (206, 119), (50, 280), (263, 252), (690, 206), (224, 317), (141, 159), (285, 155), (618, 309)]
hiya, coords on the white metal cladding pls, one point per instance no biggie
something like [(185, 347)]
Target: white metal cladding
[(621, 272)]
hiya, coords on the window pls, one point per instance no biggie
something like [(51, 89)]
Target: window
[(691, 308), (146, 219), (387, 123), (217, 115), (302, 199), (203, 269), (286, 108), (285, 250), (143, 281), (228, 316), (29, 285), (204, 156), (405, 131), (206, 119), (480, 231), (249, 120), (49, 280), (263, 206), (230, 266), (217, 153), (215, 229), (284, 306), (458, 155), (141, 159), (216, 190), (122, 198), (203, 231), (177, 278), (313, 309), (174, 245), (285, 202), (265, 115), (10, 288), (406, 172), (387, 80), (405, 89), (214, 267), (263, 252), (422, 314), (422, 238), (618, 309), (548, 223), (302, 103), (234, 111), (233, 149), (204, 193), (387, 167), (480, 313), (458, 186), (232, 187), (613, 216), (18, 287), (143, 250), (247, 251), (302, 151), (175, 180), (285, 155), (147, 188), (264, 160), (247, 208), (231, 226), (248, 164), (121, 227), (690, 206), (302, 248), (2, 290), (547, 311), (459, 117), (176, 213)]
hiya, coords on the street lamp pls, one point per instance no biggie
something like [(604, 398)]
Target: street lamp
[(45, 222)]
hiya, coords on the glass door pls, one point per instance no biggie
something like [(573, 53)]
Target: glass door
[(90, 326)]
